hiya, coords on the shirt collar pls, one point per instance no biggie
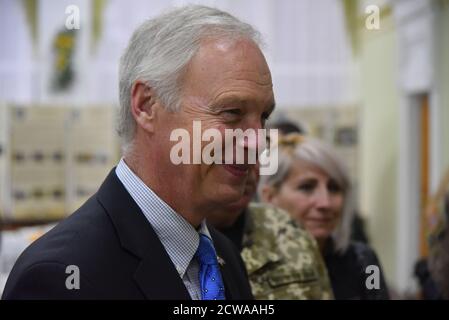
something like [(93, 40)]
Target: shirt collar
[(179, 237)]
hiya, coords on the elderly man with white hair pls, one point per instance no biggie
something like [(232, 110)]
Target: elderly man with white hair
[(143, 234)]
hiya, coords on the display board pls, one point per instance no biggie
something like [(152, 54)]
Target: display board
[(92, 150), (56, 158), (37, 166)]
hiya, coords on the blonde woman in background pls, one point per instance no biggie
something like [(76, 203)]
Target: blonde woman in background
[(312, 184)]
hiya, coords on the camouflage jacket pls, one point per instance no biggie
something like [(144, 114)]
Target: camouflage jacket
[(283, 260)]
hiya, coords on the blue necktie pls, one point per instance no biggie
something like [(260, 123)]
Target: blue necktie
[(212, 287)]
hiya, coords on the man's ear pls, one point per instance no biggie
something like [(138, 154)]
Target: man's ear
[(268, 194), (144, 105)]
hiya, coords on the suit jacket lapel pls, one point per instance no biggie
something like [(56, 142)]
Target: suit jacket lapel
[(156, 275)]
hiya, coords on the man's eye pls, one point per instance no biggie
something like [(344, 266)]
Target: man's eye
[(233, 111)]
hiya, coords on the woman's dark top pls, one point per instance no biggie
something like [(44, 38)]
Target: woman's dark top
[(349, 273)]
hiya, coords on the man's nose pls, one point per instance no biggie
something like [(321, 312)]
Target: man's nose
[(252, 141), (256, 141)]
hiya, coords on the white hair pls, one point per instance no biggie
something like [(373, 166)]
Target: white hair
[(160, 50), (322, 156)]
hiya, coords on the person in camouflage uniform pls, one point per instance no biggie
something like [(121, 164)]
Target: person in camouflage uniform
[(282, 260)]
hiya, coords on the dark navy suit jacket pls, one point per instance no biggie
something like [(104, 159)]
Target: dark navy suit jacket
[(118, 255)]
